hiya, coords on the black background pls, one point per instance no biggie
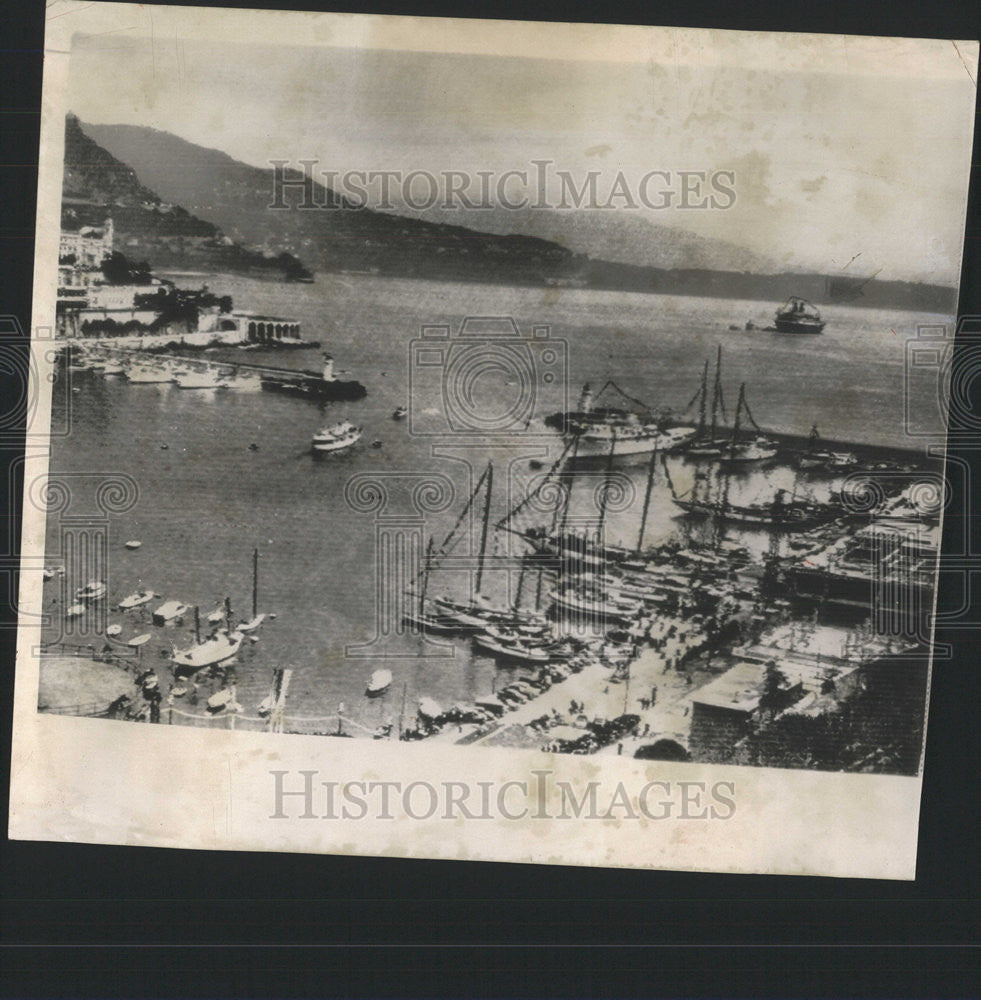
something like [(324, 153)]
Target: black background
[(113, 922)]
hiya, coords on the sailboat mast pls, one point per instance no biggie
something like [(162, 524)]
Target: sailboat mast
[(567, 499), (717, 390), (483, 531), (650, 487), (425, 576), (521, 583), (606, 487), (736, 420), (255, 582), (703, 400)]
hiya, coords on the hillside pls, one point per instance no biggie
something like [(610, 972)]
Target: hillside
[(96, 184), (591, 249), (624, 237), (236, 197)]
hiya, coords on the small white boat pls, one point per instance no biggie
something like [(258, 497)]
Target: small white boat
[(47, 574), (179, 691), (337, 437), (266, 706), (94, 590), (216, 616), (114, 630), (252, 625), (140, 640), (223, 701), (168, 611), (378, 683), (209, 653), (136, 600), (133, 544), (429, 709), (75, 611), (400, 413)]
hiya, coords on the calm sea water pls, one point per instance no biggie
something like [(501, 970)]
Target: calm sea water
[(206, 499)]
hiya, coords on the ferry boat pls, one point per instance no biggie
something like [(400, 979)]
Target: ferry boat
[(337, 437), (610, 432), (797, 315)]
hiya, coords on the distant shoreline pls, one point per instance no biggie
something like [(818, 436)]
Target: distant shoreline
[(933, 309)]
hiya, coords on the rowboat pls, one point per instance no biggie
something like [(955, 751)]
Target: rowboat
[(140, 640)]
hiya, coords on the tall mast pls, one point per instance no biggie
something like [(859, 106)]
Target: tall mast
[(483, 531), (650, 486), (716, 390), (521, 582), (736, 420), (425, 576), (606, 487), (567, 499), (255, 582), (703, 400)]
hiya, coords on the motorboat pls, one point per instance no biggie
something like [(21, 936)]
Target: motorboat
[(136, 600), (140, 640), (210, 653), (94, 590), (337, 437), (169, 611), (133, 543), (378, 683), (113, 630)]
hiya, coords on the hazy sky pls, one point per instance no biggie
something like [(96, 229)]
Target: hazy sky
[(831, 171)]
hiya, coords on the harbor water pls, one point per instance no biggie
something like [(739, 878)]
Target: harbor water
[(222, 472)]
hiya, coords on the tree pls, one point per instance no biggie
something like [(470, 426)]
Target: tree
[(773, 697)]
